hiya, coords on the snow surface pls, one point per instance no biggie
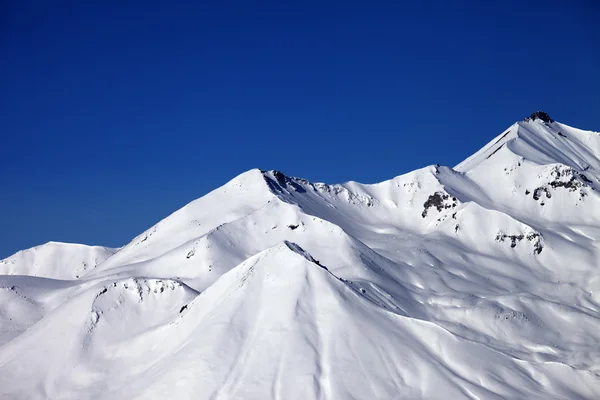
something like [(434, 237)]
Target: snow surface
[(480, 281), (56, 260)]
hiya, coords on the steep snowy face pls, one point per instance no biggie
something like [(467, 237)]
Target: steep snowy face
[(539, 171), (542, 141), (478, 281), (241, 196)]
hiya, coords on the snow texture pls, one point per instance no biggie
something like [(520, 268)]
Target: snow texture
[(480, 281)]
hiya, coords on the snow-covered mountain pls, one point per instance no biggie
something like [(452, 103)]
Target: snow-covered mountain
[(480, 281), (56, 260)]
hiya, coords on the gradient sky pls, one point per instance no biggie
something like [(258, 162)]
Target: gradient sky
[(114, 116)]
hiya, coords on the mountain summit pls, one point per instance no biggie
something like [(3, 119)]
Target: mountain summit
[(478, 281)]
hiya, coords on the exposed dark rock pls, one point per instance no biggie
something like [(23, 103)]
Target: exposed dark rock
[(183, 309), (321, 265), (282, 182), (515, 239), (292, 227), (565, 178), (537, 193), (542, 116), (104, 290), (440, 201), (585, 178), (571, 184), (537, 245)]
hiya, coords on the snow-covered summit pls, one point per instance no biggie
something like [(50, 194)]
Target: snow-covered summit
[(478, 281), (541, 140)]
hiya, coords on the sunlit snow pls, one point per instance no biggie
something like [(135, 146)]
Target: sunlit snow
[(480, 281)]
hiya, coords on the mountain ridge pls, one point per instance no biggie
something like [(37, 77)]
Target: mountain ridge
[(482, 278)]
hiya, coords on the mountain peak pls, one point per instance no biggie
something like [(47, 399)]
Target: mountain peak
[(278, 182), (541, 115), (436, 270), (544, 143)]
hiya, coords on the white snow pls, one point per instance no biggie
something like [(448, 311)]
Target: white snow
[(56, 260), (478, 281)]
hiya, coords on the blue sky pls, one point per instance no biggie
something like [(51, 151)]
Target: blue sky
[(112, 117)]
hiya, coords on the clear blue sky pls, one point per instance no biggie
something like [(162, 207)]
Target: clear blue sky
[(113, 116)]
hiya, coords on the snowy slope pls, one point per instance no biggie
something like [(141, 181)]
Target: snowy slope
[(478, 281), (56, 260)]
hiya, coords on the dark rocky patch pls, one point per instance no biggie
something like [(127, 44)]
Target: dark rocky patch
[(537, 245), (571, 185), (282, 182), (183, 309), (542, 116), (293, 227), (515, 239), (285, 181), (565, 178), (273, 185), (321, 265), (585, 178), (537, 193), (440, 201), (561, 134), (104, 290)]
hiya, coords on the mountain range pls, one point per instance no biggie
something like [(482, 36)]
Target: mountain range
[(480, 281)]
